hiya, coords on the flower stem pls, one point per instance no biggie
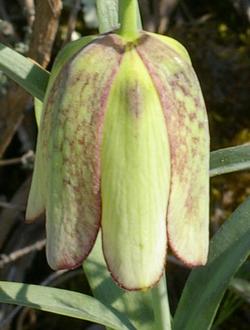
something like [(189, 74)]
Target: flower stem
[(161, 307), (128, 17)]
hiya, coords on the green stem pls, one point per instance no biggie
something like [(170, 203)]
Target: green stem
[(128, 17), (161, 307)]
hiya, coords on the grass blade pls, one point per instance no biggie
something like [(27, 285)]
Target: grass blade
[(206, 286), (229, 160), (63, 302), (107, 15), (26, 73), (107, 11), (137, 306)]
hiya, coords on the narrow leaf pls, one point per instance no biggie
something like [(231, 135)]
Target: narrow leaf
[(137, 306), (107, 15), (206, 286), (229, 160), (25, 72), (38, 105), (63, 302)]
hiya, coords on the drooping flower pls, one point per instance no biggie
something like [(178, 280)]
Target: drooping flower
[(123, 146)]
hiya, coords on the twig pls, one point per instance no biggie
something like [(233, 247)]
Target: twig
[(29, 10), (6, 205), (147, 17), (3, 11), (24, 159), (27, 316), (6, 259), (186, 11), (175, 261), (76, 5), (53, 5), (166, 9), (10, 217)]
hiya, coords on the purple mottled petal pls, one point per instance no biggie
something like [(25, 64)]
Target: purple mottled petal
[(71, 133), (187, 127)]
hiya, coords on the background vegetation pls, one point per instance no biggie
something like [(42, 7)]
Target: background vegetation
[(217, 35)]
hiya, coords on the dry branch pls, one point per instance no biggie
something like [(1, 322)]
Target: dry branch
[(16, 101), (13, 256), (157, 20)]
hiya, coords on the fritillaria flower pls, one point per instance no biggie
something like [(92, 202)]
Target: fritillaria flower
[(123, 147)]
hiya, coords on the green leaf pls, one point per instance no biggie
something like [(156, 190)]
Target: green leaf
[(30, 76), (206, 286), (241, 287), (63, 302), (136, 305), (107, 15), (229, 160), (162, 314), (38, 110), (107, 11)]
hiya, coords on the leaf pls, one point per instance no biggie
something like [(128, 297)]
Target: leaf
[(107, 11), (137, 306), (107, 15), (26, 73), (63, 302), (38, 105), (230, 302), (206, 286), (229, 160)]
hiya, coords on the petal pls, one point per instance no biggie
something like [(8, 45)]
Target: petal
[(135, 167), (71, 130), (38, 191), (187, 125), (174, 45), (36, 199)]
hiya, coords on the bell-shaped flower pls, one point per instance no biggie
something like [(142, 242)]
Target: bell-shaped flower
[(123, 147)]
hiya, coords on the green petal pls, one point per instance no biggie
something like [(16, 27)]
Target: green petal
[(69, 141), (135, 167), (38, 191), (174, 44), (185, 114)]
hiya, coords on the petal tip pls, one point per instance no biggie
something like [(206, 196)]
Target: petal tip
[(63, 260), (188, 259), (138, 284), (140, 287)]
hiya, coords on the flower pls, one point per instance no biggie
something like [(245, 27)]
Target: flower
[(123, 146)]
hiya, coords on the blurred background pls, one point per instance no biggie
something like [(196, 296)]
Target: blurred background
[(217, 36)]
